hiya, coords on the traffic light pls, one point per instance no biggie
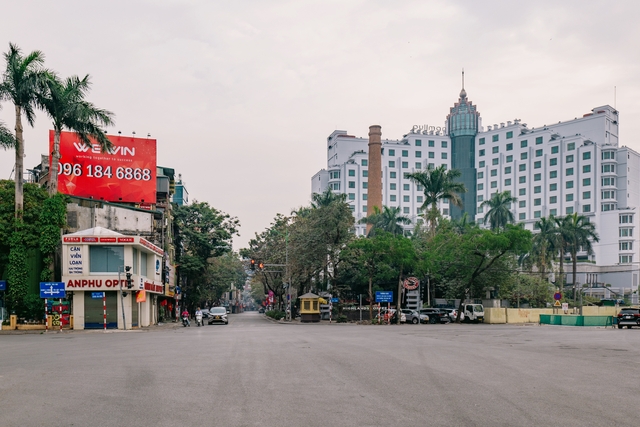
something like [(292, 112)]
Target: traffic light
[(127, 269), (253, 264), (261, 266)]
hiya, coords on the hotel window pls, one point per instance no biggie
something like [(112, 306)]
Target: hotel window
[(419, 199), (586, 155), (494, 172), (418, 143), (418, 165), (586, 182), (626, 219), (392, 164), (522, 216), (507, 182), (626, 246), (538, 153), (480, 175), (406, 199), (364, 208), (495, 149), (444, 144), (586, 195), (569, 159), (537, 177), (586, 168), (418, 154), (405, 210), (432, 144), (523, 156), (522, 167), (553, 212), (608, 194), (392, 197), (405, 153), (494, 184), (569, 210), (481, 141), (586, 208), (352, 184), (352, 196), (406, 187), (538, 140), (480, 198), (523, 144), (553, 162), (553, 187), (569, 172), (481, 153), (571, 146), (405, 175), (553, 200), (623, 232), (365, 162), (364, 196), (608, 168), (608, 206), (495, 161), (443, 155), (507, 170), (481, 164), (569, 184), (553, 174), (510, 146), (510, 134), (555, 149), (392, 152), (537, 189), (522, 192), (494, 138), (522, 179), (537, 214), (431, 166), (365, 185), (432, 155), (352, 172), (365, 173), (405, 165), (334, 175), (626, 259), (569, 197), (608, 181), (608, 155), (522, 204), (419, 187), (392, 186), (537, 202), (334, 185)]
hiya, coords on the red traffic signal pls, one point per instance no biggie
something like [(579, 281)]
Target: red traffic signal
[(261, 265), (253, 264)]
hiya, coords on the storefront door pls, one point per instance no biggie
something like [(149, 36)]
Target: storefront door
[(93, 311)]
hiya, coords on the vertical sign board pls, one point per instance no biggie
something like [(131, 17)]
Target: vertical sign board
[(126, 173)]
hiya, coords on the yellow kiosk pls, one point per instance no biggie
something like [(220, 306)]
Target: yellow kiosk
[(309, 308)]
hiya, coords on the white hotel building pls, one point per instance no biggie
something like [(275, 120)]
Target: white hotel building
[(556, 169)]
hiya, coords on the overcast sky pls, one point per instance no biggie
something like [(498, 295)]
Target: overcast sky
[(241, 95)]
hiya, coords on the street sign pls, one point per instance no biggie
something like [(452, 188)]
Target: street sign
[(557, 296), (384, 296), (52, 290), (3, 285), (97, 295), (565, 306), (557, 303), (335, 299)]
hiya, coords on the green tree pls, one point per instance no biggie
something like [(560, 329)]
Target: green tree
[(524, 288), (576, 234), (545, 244), (499, 213), (64, 102), (22, 81), (438, 184), (389, 220)]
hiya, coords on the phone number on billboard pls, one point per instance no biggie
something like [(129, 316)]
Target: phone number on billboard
[(98, 171)]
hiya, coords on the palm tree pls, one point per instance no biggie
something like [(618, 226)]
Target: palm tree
[(545, 243), (577, 233), (319, 200), (462, 225), (389, 220), (6, 137), (64, 102), (22, 81), (439, 183), (499, 213)]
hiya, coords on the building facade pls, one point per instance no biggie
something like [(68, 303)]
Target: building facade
[(574, 166)]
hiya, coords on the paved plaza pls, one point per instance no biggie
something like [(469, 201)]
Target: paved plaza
[(256, 372)]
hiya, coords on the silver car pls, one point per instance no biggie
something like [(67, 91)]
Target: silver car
[(218, 315), (411, 316)]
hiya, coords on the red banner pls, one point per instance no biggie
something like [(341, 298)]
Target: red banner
[(127, 173)]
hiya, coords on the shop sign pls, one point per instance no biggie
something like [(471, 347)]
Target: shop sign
[(75, 262), (80, 284)]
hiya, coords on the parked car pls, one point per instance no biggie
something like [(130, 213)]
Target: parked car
[(452, 312), (434, 315), (629, 317), (411, 316), (218, 315)]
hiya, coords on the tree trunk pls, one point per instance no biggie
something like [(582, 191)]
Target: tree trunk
[(370, 297), (55, 159), (561, 286), (19, 166), (574, 259)]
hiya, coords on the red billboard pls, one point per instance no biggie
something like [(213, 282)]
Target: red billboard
[(127, 173)]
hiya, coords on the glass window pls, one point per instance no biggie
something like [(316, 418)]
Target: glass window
[(522, 204), (480, 186), (569, 184), (365, 173), (392, 174), (537, 177), (365, 162), (481, 141), (392, 152), (418, 165), (481, 164), (626, 232), (144, 262), (419, 199), (392, 186), (494, 172), (494, 138), (539, 153), (405, 187), (510, 134), (522, 192), (419, 187), (553, 174), (522, 216), (431, 165), (443, 155), (538, 140), (507, 170), (586, 208), (352, 196), (569, 210), (571, 146), (553, 161), (509, 159), (481, 153), (537, 189), (432, 144), (586, 155), (494, 184), (553, 200), (480, 198), (537, 202), (494, 150), (507, 182), (364, 196), (608, 168), (352, 184), (553, 187), (405, 153), (586, 195), (586, 168), (405, 210), (392, 197), (522, 167), (364, 208), (523, 144), (510, 146), (626, 219), (569, 172), (569, 158), (569, 197), (365, 185), (586, 182), (554, 149), (432, 155), (480, 175), (418, 143), (536, 214), (607, 155), (553, 212), (418, 154), (392, 164), (522, 179), (495, 161), (352, 172), (406, 199), (444, 144), (405, 165), (523, 156)]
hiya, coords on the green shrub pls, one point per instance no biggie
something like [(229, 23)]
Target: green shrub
[(275, 314), (341, 319)]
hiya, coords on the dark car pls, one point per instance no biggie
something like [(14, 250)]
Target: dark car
[(629, 317), (436, 315)]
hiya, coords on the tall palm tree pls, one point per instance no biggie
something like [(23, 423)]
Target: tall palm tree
[(545, 244), (389, 220), (64, 102), (439, 183), (499, 213), (326, 198), (577, 233), (462, 225), (22, 81)]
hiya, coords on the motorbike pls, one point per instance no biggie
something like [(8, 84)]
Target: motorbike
[(185, 321), (199, 320)]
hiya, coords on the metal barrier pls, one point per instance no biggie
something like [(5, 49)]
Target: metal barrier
[(572, 320)]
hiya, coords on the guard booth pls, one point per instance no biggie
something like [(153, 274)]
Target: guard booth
[(309, 308)]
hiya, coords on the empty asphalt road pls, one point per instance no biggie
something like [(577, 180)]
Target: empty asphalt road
[(255, 372)]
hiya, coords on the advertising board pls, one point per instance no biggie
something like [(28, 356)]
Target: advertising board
[(127, 173)]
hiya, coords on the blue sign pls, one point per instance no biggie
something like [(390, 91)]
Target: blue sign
[(97, 295), (384, 296), (335, 299), (52, 290), (3, 285)]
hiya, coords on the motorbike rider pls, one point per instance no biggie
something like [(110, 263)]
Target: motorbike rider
[(199, 317), (185, 317)]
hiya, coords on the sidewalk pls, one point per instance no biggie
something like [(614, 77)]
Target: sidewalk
[(152, 328)]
